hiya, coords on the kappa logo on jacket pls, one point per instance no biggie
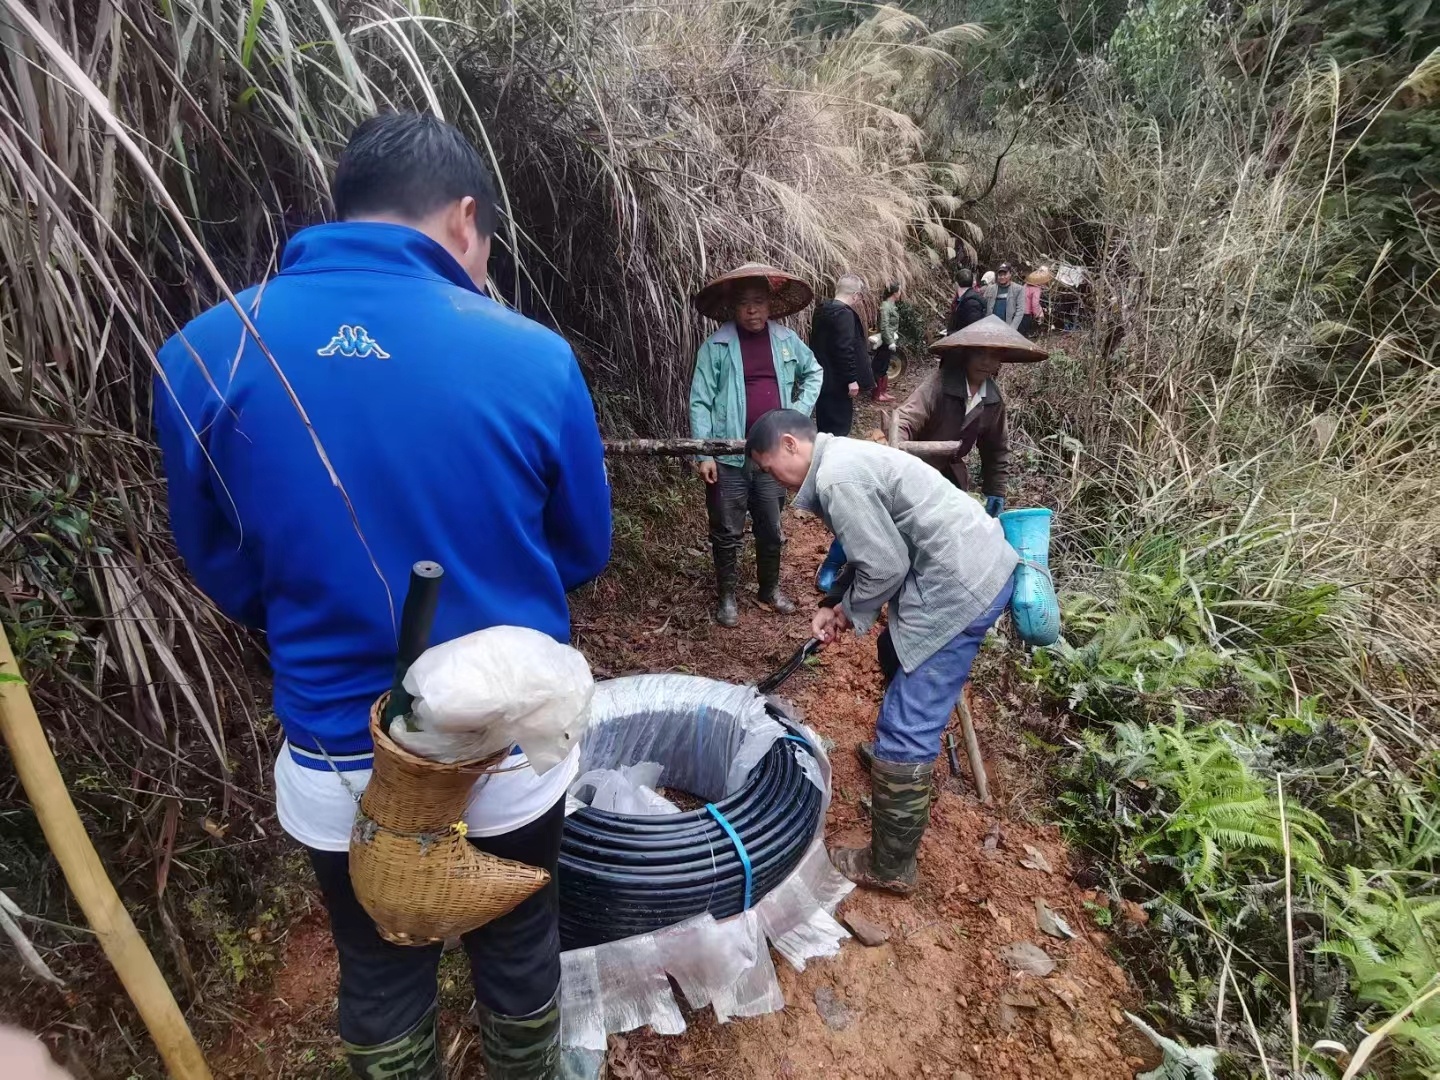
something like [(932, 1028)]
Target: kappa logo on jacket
[(352, 341)]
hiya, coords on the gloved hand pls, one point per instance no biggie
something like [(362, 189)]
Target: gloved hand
[(993, 505)]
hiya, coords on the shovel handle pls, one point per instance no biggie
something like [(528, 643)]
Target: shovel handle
[(416, 617)]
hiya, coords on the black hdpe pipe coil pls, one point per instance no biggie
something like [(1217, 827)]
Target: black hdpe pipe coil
[(624, 874)]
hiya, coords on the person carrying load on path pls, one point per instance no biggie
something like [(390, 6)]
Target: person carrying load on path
[(927, 550), (960, 402), (889, 344), (417, 442), (749, 366)]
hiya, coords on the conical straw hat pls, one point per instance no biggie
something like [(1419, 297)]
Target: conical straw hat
[(788, 294), (1043, 276), (996, 335)]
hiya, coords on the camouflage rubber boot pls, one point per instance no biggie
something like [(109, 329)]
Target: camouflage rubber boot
[(727, 574), (413, 1056), (522, 1047), (767, 565), (899, 815)]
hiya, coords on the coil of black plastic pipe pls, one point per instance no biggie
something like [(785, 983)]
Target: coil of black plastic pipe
[(624, 874)]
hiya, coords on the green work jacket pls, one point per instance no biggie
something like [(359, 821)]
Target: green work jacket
[(717, 392)]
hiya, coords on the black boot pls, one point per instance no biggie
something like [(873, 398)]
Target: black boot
[(727, 574), (413, 1056), (767, 566), (865, 751), (522, 1047)]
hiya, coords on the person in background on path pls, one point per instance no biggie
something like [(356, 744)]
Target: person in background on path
[(969, 305), (929, 552), (840, 344), (889, 344), (382, 330), (748, 367), (838, 337), (960, 402), (987, 279), (1005, 299), (1033, 321)]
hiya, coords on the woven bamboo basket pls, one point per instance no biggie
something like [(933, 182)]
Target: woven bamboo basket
[(413, 870)]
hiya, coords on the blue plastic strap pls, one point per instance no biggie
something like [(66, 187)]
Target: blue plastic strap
[(803, 742), (714, 812)]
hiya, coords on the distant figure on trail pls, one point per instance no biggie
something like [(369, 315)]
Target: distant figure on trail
[(889, 344), (462, 433), (969, 304), (1033, 321), (946, 573), (1005, 299), (746, 368), (961, 402), (839, 341)]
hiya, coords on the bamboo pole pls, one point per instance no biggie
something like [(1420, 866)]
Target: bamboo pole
[(128, 954), (732, 447)]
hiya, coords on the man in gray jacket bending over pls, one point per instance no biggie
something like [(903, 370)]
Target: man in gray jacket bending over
[(914, 541)]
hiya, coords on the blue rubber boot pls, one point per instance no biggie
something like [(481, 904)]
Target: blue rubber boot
[(830, 568)]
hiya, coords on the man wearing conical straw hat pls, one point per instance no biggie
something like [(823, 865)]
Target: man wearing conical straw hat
[(748, 367), (961, 402)]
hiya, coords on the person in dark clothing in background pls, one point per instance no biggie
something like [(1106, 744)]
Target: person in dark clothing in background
[(837, 335), (840, 344), (746, 368), (969, 305), (379, 323)]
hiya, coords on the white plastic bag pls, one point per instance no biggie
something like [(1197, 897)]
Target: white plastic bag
[(629, 789), (478, 694)]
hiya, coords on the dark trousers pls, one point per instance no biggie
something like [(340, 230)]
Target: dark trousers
[(880, 362), (736, 491), (835, 413), (386, 989)]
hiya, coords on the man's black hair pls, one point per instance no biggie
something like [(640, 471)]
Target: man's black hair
[(408, 165), (765, 435), (964, 278), (891, 290)]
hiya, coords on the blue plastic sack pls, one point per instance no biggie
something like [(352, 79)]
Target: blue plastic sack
[(1034, 607)]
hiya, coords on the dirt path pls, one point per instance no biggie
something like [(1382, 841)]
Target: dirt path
[(937, 999)]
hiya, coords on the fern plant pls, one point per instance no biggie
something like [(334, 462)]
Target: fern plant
[(1391, 942)]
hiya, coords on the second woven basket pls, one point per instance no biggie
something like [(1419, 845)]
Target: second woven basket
[(413, 870)]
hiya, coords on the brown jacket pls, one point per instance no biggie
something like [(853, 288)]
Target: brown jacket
[(935, 412)]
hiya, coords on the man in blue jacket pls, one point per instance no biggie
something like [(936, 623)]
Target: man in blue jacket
[(382, 422)]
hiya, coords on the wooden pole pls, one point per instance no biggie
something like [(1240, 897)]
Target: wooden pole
[(731, 447), (972, 748), (128, 954)]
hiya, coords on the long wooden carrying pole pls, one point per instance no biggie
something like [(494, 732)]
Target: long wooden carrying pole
[(35, 765), (732, 447)]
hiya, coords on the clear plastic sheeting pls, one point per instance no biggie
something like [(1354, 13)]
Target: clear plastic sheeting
[(706, 734), (626, 984), (630, 789)]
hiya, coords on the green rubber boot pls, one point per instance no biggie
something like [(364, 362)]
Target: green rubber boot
[(522, 1047), (413, 1056), (899, 816)]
